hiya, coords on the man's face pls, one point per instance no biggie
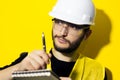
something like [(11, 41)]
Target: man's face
[(66, 38)]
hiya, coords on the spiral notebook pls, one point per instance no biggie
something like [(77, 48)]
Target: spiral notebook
[(35, 75)]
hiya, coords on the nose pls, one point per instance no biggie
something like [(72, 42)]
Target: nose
[(64, 30)]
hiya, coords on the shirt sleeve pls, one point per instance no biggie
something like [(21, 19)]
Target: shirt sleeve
[(19, 59)]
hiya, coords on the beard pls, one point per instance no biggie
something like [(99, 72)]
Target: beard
[(72, 45)]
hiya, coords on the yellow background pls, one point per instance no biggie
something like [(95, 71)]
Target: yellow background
[(23, 21)]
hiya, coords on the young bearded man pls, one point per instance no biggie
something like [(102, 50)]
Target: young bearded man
[(71, 25)]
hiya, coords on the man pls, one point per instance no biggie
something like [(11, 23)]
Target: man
[(71, 25)]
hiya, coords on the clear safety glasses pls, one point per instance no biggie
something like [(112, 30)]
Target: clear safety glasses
[(69, 27)]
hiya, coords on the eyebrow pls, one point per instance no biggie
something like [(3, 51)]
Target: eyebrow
[(75, 25)]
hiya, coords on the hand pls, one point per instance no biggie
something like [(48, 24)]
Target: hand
[(65, 78), (35, 60)]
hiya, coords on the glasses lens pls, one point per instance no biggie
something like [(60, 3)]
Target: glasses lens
[(73, 28)]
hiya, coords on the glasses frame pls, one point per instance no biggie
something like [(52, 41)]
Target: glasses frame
[(75, 26)]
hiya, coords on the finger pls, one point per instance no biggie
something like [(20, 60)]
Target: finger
[(36, 65), (37, 61), (43, 55), (29, 66), (26, 64), (50, 55), (65, 78)]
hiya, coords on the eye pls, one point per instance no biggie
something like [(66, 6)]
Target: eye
[(58, 21), (75, 27)]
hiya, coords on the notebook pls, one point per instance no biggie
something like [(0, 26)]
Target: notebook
[(35, 75)]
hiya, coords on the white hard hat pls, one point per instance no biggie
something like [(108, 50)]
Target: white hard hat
[(74, 11)]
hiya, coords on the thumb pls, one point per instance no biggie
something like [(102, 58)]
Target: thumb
[(50, 55)]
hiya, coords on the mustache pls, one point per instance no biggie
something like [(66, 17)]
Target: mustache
[(56, 36)]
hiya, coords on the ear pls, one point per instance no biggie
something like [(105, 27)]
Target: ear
[(87, 34)]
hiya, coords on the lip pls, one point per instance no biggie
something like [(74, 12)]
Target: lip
[(61, 40)]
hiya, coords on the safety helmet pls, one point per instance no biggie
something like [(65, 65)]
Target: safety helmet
[(78, 12)]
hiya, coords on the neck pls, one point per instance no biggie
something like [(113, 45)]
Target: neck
[(68, 57)]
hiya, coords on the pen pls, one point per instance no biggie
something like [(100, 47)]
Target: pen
[(43, 42)]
